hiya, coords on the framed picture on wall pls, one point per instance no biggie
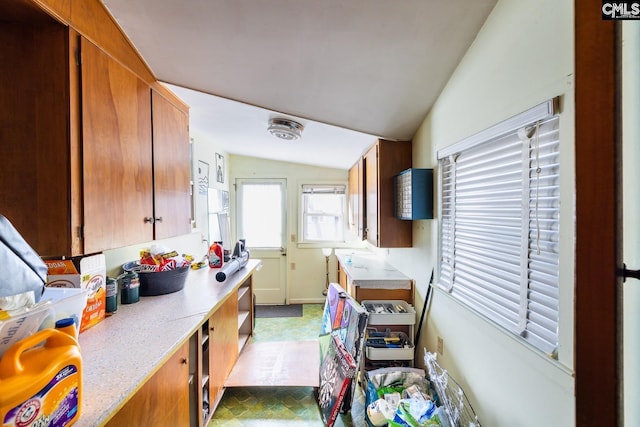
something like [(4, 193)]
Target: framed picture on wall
[(203, 177), (219, 168)]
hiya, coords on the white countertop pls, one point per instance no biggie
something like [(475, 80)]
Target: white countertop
[(124, 350), (367, 270)]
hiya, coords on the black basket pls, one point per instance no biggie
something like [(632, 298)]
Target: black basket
[(162, 282)]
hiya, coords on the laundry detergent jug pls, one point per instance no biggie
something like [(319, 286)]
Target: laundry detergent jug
[(41, 380)]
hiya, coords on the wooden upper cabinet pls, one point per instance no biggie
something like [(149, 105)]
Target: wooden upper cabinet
[(383, 161), (171, 165), (117, 153), (76, 158), (356, 197), (35, 155)]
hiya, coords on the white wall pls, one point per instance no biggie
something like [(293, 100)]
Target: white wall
[(522, 56), (631, 218), (306, 282)]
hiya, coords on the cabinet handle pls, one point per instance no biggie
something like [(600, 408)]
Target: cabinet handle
[(158, 219), (183, 360), (213, 328), (148, 219)]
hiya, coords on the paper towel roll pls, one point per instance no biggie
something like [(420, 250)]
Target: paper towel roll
[(379, 412)]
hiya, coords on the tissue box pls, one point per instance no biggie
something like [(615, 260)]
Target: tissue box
[(92, 277)]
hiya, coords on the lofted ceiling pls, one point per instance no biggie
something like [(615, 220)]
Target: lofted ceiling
[(350, 71)]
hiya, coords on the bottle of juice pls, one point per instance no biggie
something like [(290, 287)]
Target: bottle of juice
[(216, 255)]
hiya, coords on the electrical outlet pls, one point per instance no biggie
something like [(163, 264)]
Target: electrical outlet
[(293, 265), (440, 346)]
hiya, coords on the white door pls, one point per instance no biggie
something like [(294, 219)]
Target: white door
[(261, 221)]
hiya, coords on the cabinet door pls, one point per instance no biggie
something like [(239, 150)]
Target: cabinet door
[(342, 277), (383, 162), (356, 199), (161, 401), (117, 161), (171, 166), (223, 347), (34, 145), (371, 198)]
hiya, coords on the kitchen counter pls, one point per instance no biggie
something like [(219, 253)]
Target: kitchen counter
[(365, 276), (124, 350), (367, 270)]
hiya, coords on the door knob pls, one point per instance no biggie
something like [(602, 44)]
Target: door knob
[(624, 273)]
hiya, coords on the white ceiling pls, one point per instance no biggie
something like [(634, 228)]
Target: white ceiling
[(349, 70)]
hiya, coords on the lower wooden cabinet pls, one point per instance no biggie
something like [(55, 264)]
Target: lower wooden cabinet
[(167, 391), (223, 347), (187, 388), (216, 348)]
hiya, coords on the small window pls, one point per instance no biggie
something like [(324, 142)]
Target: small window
[(323, 212)]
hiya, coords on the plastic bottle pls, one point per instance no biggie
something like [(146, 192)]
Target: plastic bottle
[(216, 255), (42, 383), (68, 326)]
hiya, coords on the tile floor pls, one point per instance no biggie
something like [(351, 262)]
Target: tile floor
[(282, 406)]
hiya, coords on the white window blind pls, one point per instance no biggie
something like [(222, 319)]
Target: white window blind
[(499, 225), (323, 210)]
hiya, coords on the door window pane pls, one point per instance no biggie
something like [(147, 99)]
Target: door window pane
[(261, 213)]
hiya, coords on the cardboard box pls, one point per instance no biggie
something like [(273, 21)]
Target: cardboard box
[(92, 277), (62, 274)]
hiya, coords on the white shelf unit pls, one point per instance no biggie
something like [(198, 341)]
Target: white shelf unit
[(397, 316)]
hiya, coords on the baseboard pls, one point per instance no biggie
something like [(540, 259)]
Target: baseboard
[(319, 300)]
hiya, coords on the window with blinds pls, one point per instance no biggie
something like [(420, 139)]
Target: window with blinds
[(500, 202), (323, 211)]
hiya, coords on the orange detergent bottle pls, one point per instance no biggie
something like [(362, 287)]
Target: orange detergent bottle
[(41, 385)]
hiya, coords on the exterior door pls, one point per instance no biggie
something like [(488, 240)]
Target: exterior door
[(261, 220)]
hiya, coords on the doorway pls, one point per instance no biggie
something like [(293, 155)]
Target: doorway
[(262, 221)]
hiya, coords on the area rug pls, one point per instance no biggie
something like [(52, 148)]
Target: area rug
[(269, 311)]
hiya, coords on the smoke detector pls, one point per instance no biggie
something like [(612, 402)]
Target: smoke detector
[(285, 129)]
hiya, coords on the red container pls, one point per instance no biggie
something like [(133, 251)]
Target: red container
[(216, 255)]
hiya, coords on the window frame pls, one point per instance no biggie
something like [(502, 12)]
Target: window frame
[(303, 214)]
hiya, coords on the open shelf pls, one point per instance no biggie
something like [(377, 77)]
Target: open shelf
[(242, 340), (215, 345), (245, 314)]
